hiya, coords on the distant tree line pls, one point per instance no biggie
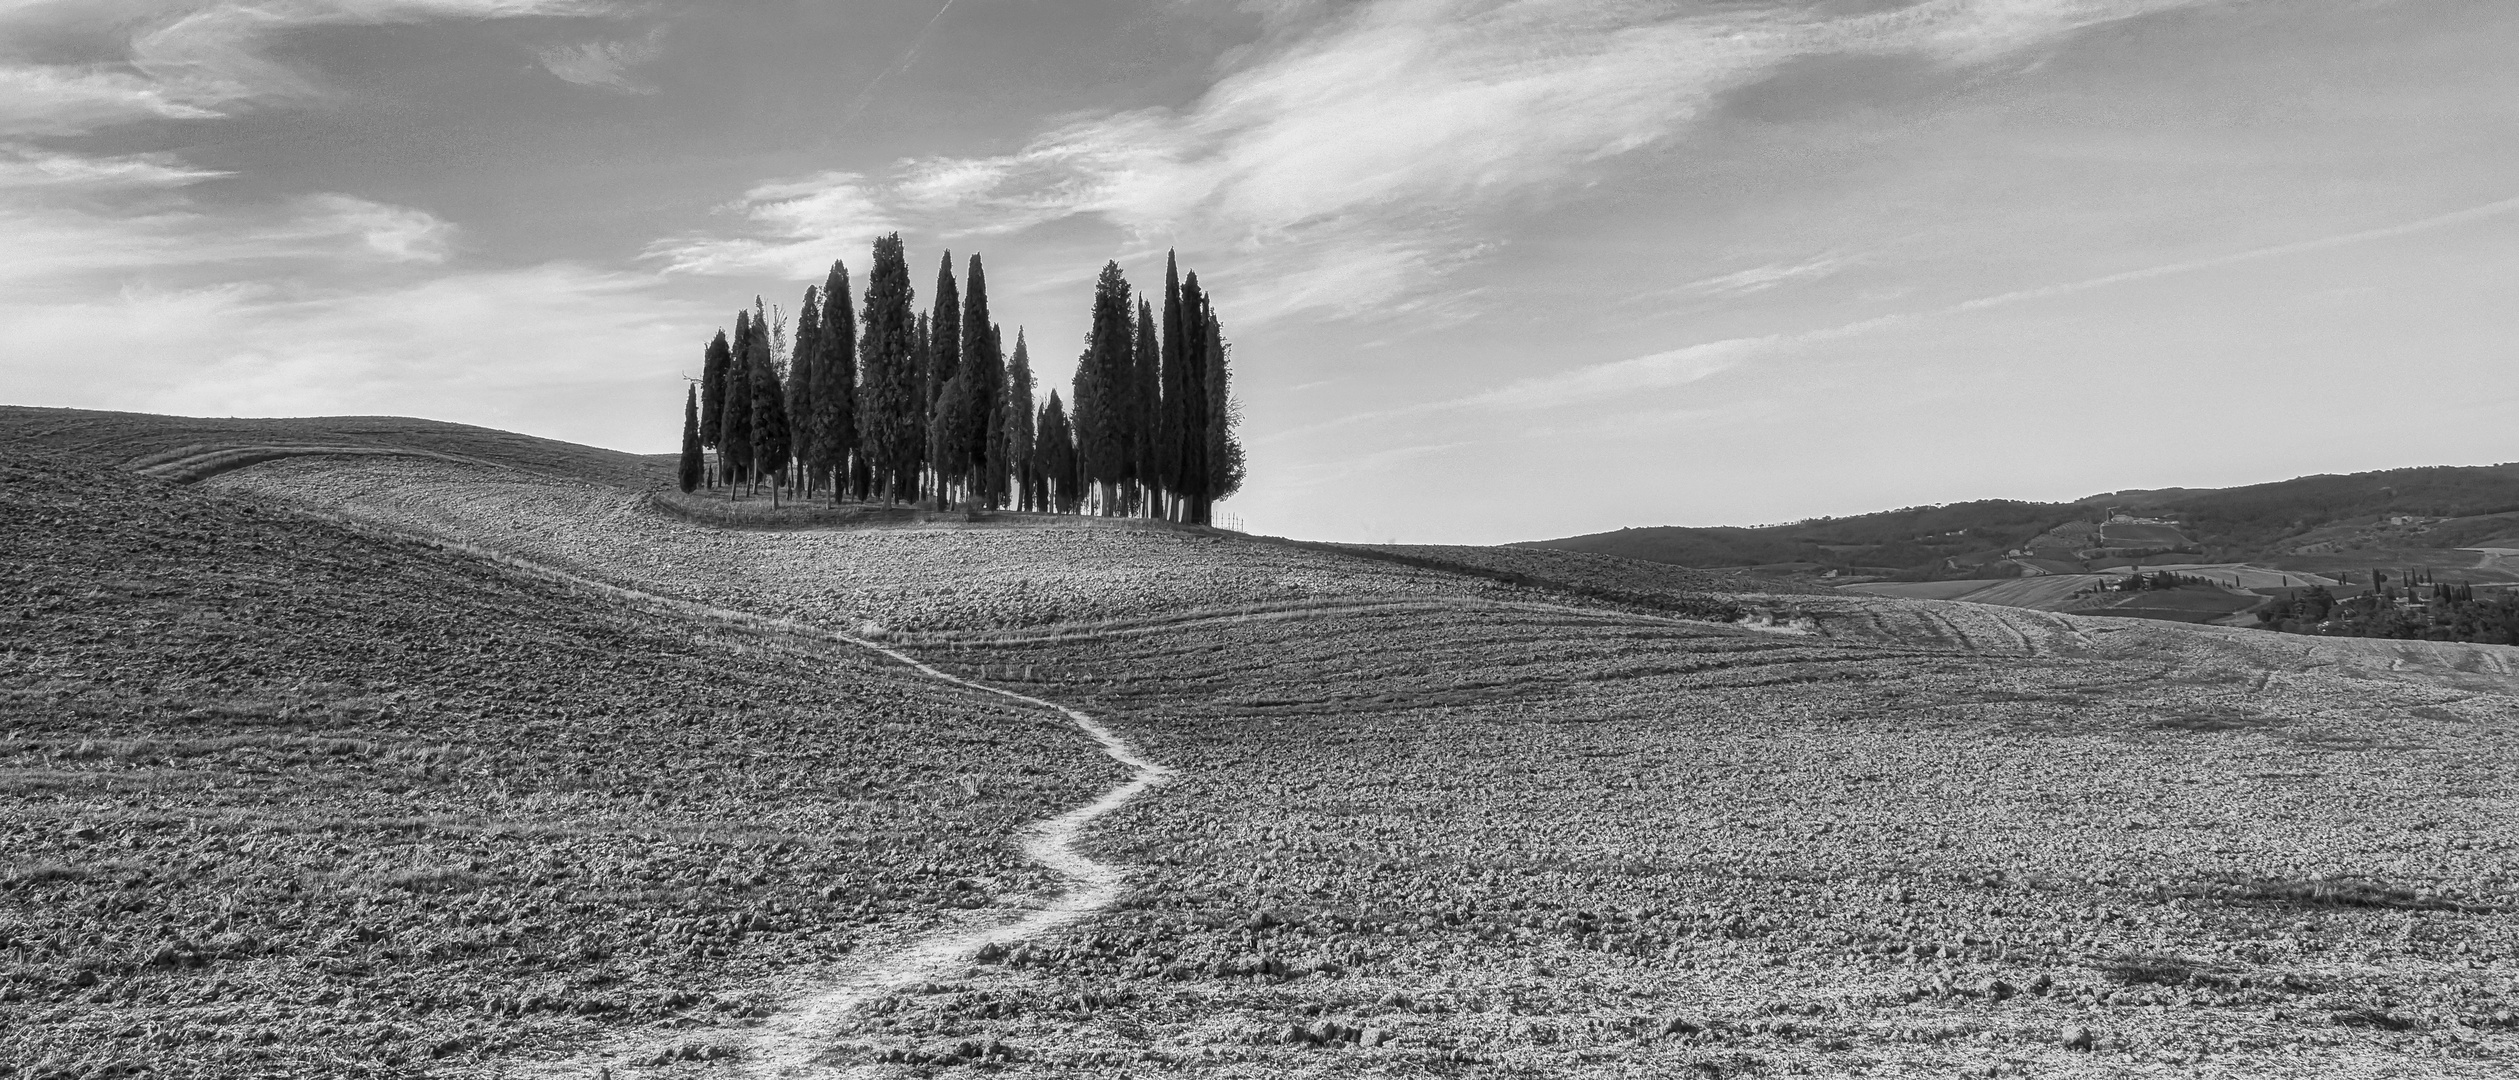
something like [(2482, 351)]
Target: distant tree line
[(2430, 611), (883, 401)]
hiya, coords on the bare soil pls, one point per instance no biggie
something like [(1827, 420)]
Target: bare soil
[(1420, 822)]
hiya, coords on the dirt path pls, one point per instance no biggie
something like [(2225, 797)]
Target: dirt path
[(787, 1043)]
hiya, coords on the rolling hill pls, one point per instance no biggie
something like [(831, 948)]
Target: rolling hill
[(2419, 517)]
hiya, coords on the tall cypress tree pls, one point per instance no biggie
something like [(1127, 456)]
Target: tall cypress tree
[(1102, 385), (1014, 424), (1061, 475), (713, 361), (949, 437), (835, 382), (923, 352), (734, 426), (1224, 448), (771, 445), (984, 362), (1146, 399), (944, 329), (712, 386), (941, 334), (689, 473), (803, 446), (1193, 444), (1168, 432), (890, 404)]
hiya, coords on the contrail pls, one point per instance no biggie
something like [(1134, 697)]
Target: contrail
[(1693, 362), (868, 94), (2387, 232)]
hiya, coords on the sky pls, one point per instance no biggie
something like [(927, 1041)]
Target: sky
[(1492, 270)]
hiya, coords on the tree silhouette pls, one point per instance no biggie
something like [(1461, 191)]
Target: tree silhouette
[(734, 429), (713, 361), (1062, 475), (1015, 439), (801, 416), (984, 363), (689, 472), (835, 382), (1169, 433), (889, 401), (1100, 417)]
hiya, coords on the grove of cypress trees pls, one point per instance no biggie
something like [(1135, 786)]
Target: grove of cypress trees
[(891, 396), (835, 382), (734, 427), (1014, 421), (689, 473), (889, 399)]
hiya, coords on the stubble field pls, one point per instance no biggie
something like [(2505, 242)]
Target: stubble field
[(1526, 821)]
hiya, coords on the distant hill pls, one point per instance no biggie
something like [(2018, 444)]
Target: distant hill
[(187, 448), (2394, 517)]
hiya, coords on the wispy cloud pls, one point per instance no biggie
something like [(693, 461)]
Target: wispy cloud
[(607, 65), (26, 168), (1361, 154), (193, 60), (795, 227), (1758, 279)]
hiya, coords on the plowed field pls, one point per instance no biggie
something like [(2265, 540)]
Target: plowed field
[(1530, 820), (1434, 823)]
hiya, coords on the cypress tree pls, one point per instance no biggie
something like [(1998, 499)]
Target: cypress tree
[(713, 386), (1102, 385), (803, 446), (944, 330), (1015, 436), (1193, 420), (734, 428), (984, 362), (770, 436), (1224, 449), (922, 344), (950, 437), (835, 382), (942, 337), (689, 473), (1168, 431), (1146, 398), (1061, 477), (888, 395)]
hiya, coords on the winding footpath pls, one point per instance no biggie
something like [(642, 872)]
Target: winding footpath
[(788, 1042)]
